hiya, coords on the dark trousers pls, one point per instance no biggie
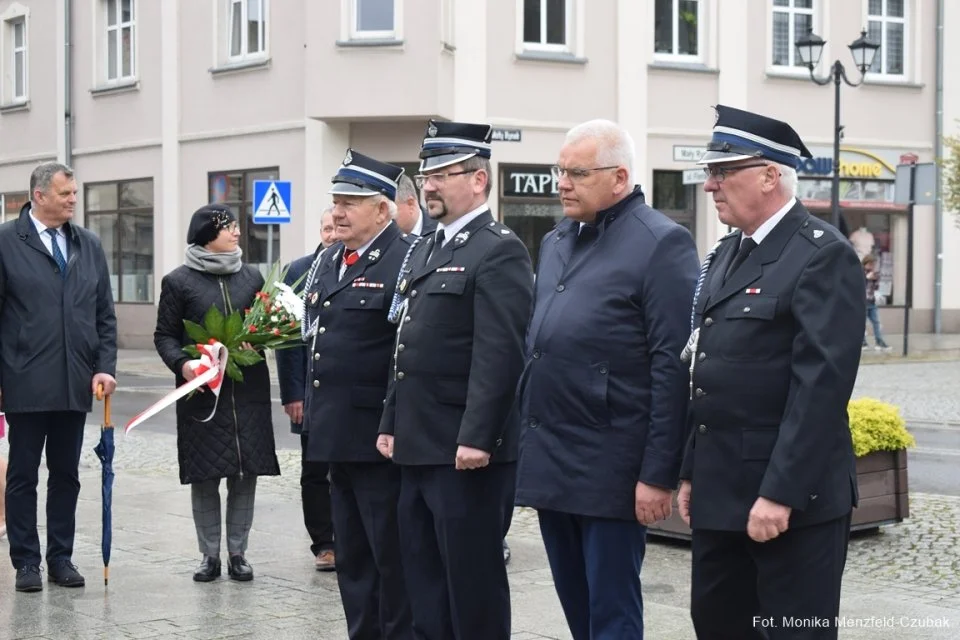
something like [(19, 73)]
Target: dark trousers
[(451, 529), (315, 497), (369, 568), (61, 432), (784, 588), (596, 570)]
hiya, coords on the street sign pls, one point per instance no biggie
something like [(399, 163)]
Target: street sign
[(683, 153), (694, 176), (271, 199), (506, 135), (924, 186)]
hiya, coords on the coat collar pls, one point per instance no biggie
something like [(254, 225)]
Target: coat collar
[(752, 268), (443, 255)]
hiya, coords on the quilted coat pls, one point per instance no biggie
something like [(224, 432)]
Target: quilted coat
[(239, 437)]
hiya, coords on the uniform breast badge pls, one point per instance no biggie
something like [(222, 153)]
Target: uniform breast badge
[(461, 237), (374, 255)]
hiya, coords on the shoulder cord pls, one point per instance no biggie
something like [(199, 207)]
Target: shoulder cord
[(306, 332), (398, 298)]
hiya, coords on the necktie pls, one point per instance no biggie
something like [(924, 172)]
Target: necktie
[(350, 257), (57, 254), (437, 243), (748, 245)]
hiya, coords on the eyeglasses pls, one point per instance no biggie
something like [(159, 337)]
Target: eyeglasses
[(719, 174), (233, 227), (575, 173), (438, 178)]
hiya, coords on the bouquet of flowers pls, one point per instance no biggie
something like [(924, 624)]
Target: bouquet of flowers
[(272, 322)]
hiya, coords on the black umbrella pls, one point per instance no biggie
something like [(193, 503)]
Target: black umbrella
[(104, 451)]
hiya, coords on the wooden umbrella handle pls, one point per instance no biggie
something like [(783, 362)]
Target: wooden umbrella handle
[(106, 406)]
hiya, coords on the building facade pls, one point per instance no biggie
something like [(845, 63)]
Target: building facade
[(161, 107)]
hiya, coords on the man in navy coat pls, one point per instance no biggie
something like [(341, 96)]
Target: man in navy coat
[(291, 371), (769, 475), (450, 421), (603, 395), (58, 343), (351, 344)]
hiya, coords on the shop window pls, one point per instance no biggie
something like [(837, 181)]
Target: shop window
[(10, 205), (121, 215), (235, 189), (529, 203), (676, 200)]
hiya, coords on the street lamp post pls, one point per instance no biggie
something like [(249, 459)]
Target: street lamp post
[(810, 48)]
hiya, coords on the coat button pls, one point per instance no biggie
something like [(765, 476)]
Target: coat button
[(533, 424), (400, 347), (702, 429), (703, 356), (400, 375), (322, 330), (699, 393), (603, 369), (746, 309), (708, 322), (316, 383), (316, 356), (499, 441), (560, 288), (407, 319), (536, 353), (443, 285), (413, 294), (326, 304), (363, 302), (813, 496)]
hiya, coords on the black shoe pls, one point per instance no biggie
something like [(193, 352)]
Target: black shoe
[(239, 569), (64, 573), (506, 552), (208, 570), (29, 579)]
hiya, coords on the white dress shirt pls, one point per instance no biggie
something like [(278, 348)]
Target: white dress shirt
[(764, 230), (452, 229), (45, 237), (360, 252)]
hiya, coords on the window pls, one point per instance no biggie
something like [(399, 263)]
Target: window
[(247, 28), (11, 203), (546, 24), (677, 26), (121, 33), (121, 214), (886, 24), (676, 200), (791, 19), (235, 189), (373, 19), (13, 36)]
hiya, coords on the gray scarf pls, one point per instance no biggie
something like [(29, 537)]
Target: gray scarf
[(199, 259)]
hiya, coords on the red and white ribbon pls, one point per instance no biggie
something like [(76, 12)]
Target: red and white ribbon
[(210, 369)]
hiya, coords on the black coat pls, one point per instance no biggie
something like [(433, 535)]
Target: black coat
[(603, 398), (460, 347), (239, 437), (777, 358), (292, 362), (55, 333), (348, 372)]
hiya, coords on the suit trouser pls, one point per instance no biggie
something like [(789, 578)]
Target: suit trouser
[(315, 498), (61, 433), (205, 498), (451, 529), (369, 563), (785, 588), (596, 570)]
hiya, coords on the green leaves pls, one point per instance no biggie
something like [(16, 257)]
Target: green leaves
[(215, 323), (245, 357), (196, 332), (233, 326)]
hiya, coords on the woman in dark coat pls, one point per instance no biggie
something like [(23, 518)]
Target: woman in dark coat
[(237, 443)]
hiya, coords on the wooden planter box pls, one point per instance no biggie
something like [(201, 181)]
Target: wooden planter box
[(881, 481)]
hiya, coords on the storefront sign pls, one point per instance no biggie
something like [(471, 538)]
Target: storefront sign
[(687, 154), (854, 163), (506, 135), (531, 181)]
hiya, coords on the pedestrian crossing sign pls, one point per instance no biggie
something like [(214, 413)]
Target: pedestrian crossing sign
[(272, 201)]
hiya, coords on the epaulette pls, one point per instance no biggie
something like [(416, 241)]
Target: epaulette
[(498, 229), (817, 232), (408, 238)]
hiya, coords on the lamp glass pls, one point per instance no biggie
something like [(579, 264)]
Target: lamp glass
[(864, 51), (810, 48)]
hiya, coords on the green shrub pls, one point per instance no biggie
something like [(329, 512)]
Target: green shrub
[(877, 426)]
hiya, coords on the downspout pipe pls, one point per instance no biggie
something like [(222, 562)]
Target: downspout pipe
[(938, 203), (68, 83)]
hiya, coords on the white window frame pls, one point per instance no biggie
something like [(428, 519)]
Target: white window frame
[(15, 14), (118, 28), (348, 23), (791, 11), (570, 37), (884, 19), (264, 33), (701, 33)]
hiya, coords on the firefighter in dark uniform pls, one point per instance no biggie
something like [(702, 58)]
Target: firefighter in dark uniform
[(768, 478), (450, 420), (347, 296)]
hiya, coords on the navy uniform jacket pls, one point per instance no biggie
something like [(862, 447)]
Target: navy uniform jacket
[(459, 346), (777, 358), (292, 362), (603, 397), (349, 360)]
